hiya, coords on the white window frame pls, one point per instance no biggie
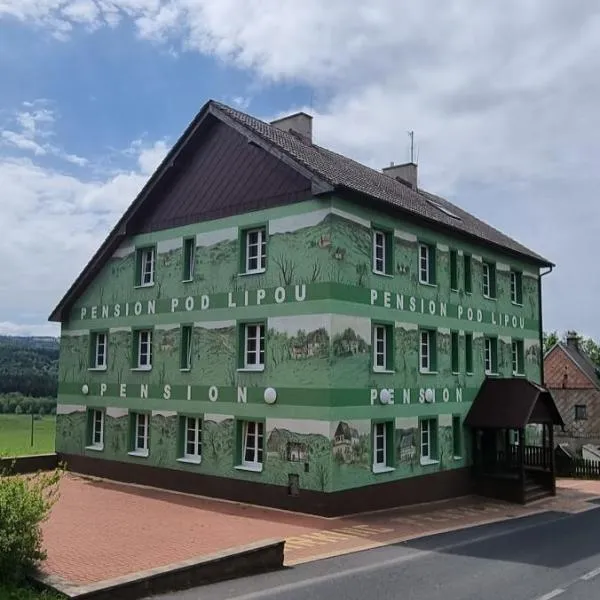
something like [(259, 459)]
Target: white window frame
[(142, 422), (259, 336), (99, 337), (377, 331), (379, 244), (261, 250), (517, 358), (425, 351), (147, 266), (191, 259), (380, 446), (256, 448), (424, 259), (97, 430), (148, 343), (514, 296), (487, 280), (189, 331), (196, 455), (488, 356), (425, 440)]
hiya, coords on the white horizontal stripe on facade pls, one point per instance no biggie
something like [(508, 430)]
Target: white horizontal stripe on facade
[(407, 422), (407, 326), (477, 334), (209, 238), (443, 247), (216, 418), (116, 412), (477, 257), (74, 332), (502, 267), (505, 338), (296, 222), (445, 420), (530, 274), (404, 235), (351, 217), (215, 324), (123, 250), (168, 245), (67, 409), (164, 413), (117, 329), (443, 331), (166, 326)]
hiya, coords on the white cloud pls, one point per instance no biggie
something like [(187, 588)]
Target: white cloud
[(502, 98)]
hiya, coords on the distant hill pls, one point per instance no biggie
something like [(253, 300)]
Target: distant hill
[(29, 365)]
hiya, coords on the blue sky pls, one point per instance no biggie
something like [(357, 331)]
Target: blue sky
[(503, 101)]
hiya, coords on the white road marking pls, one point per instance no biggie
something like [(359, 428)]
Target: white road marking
[(591, 574), (552, 594)]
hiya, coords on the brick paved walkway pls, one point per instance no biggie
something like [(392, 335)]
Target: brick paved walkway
[(100, 530)]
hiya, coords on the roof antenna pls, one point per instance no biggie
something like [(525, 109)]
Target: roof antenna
[(411, 135)]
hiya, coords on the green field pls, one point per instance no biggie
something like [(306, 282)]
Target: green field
[(15, 435)]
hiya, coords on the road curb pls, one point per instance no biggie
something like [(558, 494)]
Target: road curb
[(251, 559)]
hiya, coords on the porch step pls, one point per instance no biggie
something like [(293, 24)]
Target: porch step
[(535, 491)]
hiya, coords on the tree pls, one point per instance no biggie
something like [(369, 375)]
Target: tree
[(18, 410), (550, 339)]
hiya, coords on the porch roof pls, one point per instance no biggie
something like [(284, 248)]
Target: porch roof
[(512, 403)]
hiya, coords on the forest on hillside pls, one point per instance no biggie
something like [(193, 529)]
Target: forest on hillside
[(29, 366)]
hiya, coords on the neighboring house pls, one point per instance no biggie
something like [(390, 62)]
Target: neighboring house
[(574, 381), (178, 338)]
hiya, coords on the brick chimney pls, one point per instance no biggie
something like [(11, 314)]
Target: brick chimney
[(406, 173), (299, 124)]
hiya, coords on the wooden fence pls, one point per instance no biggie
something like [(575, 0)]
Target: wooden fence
[(580, 468)]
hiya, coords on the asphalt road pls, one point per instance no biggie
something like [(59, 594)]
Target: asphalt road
[(550, 555)]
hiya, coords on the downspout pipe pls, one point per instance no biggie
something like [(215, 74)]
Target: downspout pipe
[(542, 273)]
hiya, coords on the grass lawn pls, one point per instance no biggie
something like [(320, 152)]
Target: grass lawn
[(15, 435)]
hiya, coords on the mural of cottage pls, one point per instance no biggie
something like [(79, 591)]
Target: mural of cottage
[(275, 323), (574, 381)]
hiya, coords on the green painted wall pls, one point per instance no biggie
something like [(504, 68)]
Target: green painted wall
[(318, 297)]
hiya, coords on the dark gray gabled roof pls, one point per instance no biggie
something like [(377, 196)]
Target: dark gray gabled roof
[(583, 362), (346, 174)]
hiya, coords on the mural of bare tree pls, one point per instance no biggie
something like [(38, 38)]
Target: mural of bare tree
[(286, 269)]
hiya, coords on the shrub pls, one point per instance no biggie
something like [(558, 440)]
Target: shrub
[(18, 410), (24, 504)]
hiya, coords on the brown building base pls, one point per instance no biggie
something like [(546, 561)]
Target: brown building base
[(413, 490)]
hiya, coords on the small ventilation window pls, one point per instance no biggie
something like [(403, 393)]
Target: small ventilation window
[(443, 209)]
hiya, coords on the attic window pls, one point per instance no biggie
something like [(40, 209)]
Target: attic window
[(443, 209)]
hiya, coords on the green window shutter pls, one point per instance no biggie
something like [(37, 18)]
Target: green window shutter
[(138, 267), (181, 436), (241, 339), (184, 346), (239, 441), (521, 357), (92, 350), (456, 436), (242, 244), (389, 347), (433, 349), (132, 431), (492, 280), (454, 351), (469, 352), (467, 272), (432, 264), (389, 252), (453, 269), (520, 288), (89, 429), (494, 342), (434, 439), (188, 247), (135, 334), (390, 446)]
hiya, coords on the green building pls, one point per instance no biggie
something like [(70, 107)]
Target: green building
[(275, 323)]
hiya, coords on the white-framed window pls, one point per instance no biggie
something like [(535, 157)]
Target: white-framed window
[(99, 350), (424, 263), (379, 251), (379, 446), (517, 357), (516, 291), (489, 358), (256, 250), (427, 433), (141, 433), (144, 349), (254, 346), (97, 429), (252, 451), (185, 361), (380, 348), (146, 259), (192, 449), (486, 280), (189, 258), (426, 351)]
